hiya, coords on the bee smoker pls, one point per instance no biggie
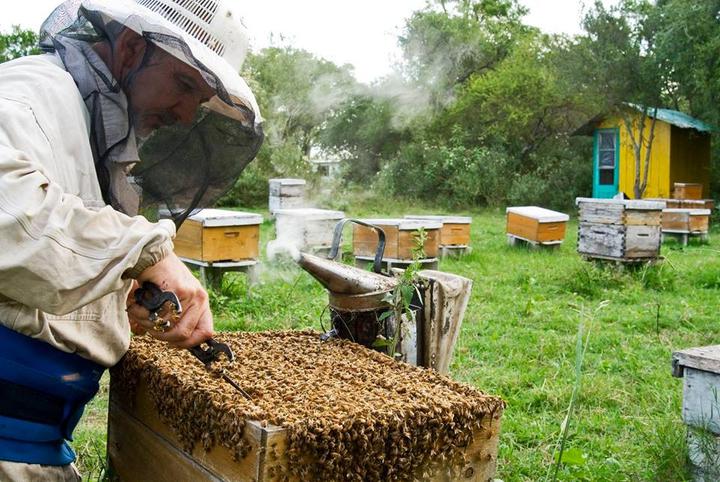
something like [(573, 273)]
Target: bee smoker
[(358, 299), (361, 308)]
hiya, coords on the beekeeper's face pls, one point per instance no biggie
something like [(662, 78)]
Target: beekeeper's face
[(161, 89)]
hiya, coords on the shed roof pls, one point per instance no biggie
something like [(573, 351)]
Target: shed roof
[(673, 117)]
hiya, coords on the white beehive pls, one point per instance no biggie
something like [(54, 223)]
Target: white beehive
[(286, 194), (307, 228), (619, 229)]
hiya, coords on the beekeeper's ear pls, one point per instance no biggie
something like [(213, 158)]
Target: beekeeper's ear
[(129, 50)]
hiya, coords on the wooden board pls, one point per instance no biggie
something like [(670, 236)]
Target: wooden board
[(699, 223), (642, 218), (522, 226), (399, 243), (141, 447), (217, 243), (453, 234), (678, 221), (532, 230), (188, 240), (642, 241), (365, 241), (705, 358), (600, 213), (407, 240), (601, 239), (619, 241), (685, 190)]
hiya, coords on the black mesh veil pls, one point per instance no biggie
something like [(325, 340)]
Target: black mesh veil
[(182, 167)]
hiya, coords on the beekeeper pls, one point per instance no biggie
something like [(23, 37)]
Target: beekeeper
[(134, 104)]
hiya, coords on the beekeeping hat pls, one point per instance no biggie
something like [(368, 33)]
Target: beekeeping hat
[(182, 166)]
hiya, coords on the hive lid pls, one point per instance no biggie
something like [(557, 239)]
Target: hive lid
[(309, 213), (640, 204), (690, 211), (405, 224), (441, 218), (220, 217), (541, 214), (288, 181), (706, 358)]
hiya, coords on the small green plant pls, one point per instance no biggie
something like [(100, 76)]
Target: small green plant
[(575, 456), (400, 299)]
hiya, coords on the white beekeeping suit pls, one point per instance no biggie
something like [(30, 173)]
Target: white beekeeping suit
[(72, 240)]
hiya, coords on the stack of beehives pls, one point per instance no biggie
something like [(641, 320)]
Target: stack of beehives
[(344, 412)]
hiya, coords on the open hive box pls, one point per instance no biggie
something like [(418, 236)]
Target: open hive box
[(319, 411)]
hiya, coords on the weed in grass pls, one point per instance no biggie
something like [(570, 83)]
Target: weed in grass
[(658, 277), (575, 456), (592, 280), (704, 443), (667, 444)]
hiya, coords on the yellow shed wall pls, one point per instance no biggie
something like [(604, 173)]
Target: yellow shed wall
[(690, 158), (659, 175)]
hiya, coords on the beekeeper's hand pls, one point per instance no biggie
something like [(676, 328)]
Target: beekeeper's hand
[(196, 323), (135, 325)]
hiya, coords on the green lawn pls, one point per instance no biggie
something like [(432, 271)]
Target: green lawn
[(518, 341)]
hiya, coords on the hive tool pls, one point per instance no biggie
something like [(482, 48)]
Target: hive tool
[(159, 302)]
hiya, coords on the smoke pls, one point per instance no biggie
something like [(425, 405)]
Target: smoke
[(279, 248)]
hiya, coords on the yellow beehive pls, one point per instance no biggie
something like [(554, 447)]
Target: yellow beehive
[(536, 224), (400, 238), (213, 235), (318, 411), (455, 230)]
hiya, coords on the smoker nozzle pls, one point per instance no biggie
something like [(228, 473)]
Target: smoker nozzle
[(343, 279)]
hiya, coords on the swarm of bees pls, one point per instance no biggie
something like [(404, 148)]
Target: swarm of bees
[(349, 413)]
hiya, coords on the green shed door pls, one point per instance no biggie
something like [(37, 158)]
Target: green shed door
[(605, 163)]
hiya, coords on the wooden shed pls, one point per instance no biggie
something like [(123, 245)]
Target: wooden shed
[(680, 152)]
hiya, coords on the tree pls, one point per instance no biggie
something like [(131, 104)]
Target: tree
[(687, 41), (625, 66), (297, 92), (18, 43)]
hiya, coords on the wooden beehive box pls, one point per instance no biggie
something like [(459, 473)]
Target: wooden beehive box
[(213, 235), (700, 369), (687, 190), (286, 194), (400, 238), (536, 224), (307, 228), (319, 411), (619, 229), (697, 204), (692, 221), (455, 230), (686, 203)]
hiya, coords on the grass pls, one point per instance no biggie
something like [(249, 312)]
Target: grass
[(518, 341)]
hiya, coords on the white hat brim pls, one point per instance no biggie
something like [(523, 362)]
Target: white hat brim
[(141, 20)]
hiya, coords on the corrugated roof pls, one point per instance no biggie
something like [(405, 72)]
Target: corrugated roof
[(676, 118), (672, 117)]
